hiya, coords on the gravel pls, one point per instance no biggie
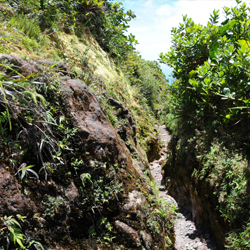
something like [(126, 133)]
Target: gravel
[(188, 237)]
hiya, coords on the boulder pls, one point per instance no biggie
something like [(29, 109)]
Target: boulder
[(96, 189), (130, 236)]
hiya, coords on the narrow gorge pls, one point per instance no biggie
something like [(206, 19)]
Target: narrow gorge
[(188, 236), (99, 183), (87, 161)]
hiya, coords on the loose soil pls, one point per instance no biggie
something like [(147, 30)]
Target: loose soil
[(187, 236)]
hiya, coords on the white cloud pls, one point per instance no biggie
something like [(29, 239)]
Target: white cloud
[(155, 19)]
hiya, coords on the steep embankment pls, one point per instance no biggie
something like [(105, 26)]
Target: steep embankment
[(69, 175), (64, 168), (76, 132), (208, 164)]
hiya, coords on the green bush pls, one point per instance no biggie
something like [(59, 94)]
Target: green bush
[(147, 77), (227, 173), (239, 240), (211, 99), (107, 21), (210, 64)]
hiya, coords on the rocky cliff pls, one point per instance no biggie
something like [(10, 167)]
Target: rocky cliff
[(68, 180)]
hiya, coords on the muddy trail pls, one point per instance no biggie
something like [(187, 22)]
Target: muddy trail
[(187, 236)]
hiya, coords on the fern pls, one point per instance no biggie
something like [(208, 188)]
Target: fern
[(35, 243), (15, 230), (10, 221), (16, 236)]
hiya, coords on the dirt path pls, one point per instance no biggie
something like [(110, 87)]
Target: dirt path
[(187, 236)]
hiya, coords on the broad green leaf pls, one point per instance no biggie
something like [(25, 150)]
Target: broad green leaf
[(12, 234), (244, 45), (193, 82), (246, 101), (19, 242), (207, 81), (223, 29), (226, 91), (192, 73), (213, 51)]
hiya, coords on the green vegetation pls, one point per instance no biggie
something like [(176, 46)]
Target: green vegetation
[(147, 77), (15, 232), (39, 144), (59, 30), (162, 215), (107, 21), (210, 109)]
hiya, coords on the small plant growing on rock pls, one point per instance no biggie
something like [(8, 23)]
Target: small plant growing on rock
[(15, 233), (52, 206), (84, 177), (160, 214), (24, 169), (14, 228)]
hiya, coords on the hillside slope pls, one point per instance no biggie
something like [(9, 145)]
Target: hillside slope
[(75, 139)]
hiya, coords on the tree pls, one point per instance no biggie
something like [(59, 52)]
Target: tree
[(212, 68)]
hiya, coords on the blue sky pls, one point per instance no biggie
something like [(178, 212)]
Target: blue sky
[(155, 19)]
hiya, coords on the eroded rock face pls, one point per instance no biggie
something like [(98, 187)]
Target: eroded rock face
[(202, 247), (71, 192), (154, 148), (94, 129), (128, 233), (24, 67), (135, 202), (147, 239), (12, 200), (127, 131), (95, 190)]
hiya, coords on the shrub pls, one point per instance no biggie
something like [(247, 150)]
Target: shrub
[(239, 240), (227, 173), (211, 70), (107, 21), (210, 99)]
